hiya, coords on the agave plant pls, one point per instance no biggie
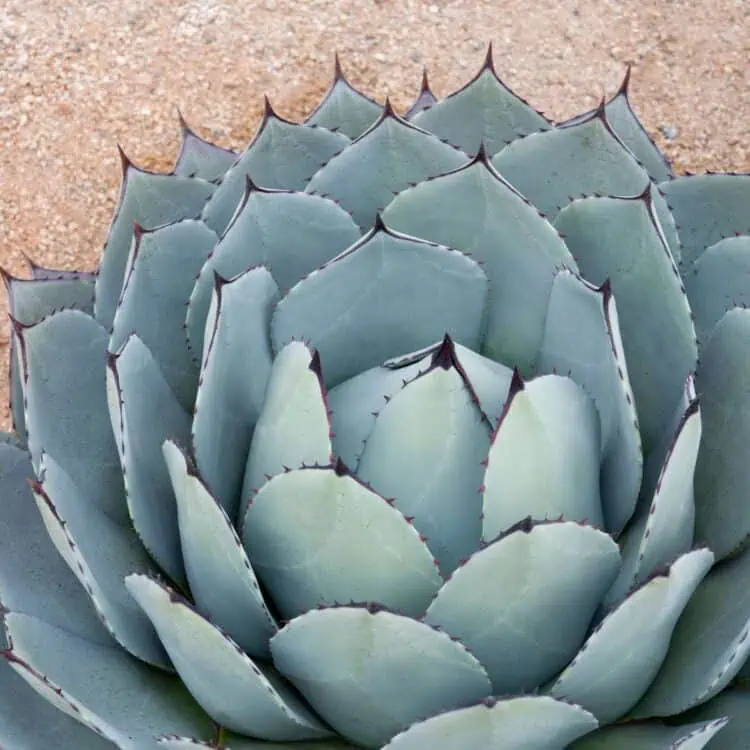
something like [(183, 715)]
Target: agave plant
[(386, 433)]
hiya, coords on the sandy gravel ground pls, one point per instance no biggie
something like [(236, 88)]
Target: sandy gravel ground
[(79, 76)]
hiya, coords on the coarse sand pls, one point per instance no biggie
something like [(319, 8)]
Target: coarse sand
[(78, 77)]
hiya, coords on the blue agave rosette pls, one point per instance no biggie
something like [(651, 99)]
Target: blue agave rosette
[(404, 433)]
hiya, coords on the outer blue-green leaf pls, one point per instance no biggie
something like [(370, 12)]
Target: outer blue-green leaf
[(722, 514), (232, 741), (235, 691), (320, 537), (662, 529), (556, 166), (522, 723), (345, 109), (582, 339), (29, 302), (710, 643), (29, 722), (354, 309), (477, 212), (144, 412), (33, 578), (150, 200), (523, 604), (289, 233), (232, 386), (544, 458), (222, 582), (63, 360), (654, 736), (620, 240), (102, 686), (388, 158), (161, 273), (283, 155), (734, 703), (718, 281), (622, 656), (708, 208), (484, 111), (201, 158), (628, 127), (100, 552), (370, 674), (425, 451)]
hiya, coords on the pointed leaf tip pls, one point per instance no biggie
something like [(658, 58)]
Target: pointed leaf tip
[(338, 73), (388, 110), (425, 85), (379, 224), (445, 355), (489, 62), (625, 85), (341, 469), (125, 161)]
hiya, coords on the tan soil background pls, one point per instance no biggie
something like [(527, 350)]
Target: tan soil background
[(79, 76)]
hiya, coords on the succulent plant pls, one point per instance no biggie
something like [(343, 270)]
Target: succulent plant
[(386, 433)]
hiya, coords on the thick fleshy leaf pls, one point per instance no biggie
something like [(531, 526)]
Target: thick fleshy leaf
[(233, 690), (231, 741), (718, 282), (101, 686), (733, 703), (33, 578), (29, 302), (293, 428), (145, 412), (344, 108), (289, 233), (722, 514), (628, 127), (63, 360), (355, 403), (710, 643), (201, 158), (150, 200), (582, 338), (544, 458), (161, 272), (221, 579), (484, 111), (370, 674), (708, 208), (556, 166), (232, 385), (388, 158), (354, 310), (653, 737), (100, 553), (320, 537), (523, 604), (43, 272), (522, 723), (426, 450), (622, 656), (663, 529), (29, 722), (475, 211), (283, 155), (620, 240)]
